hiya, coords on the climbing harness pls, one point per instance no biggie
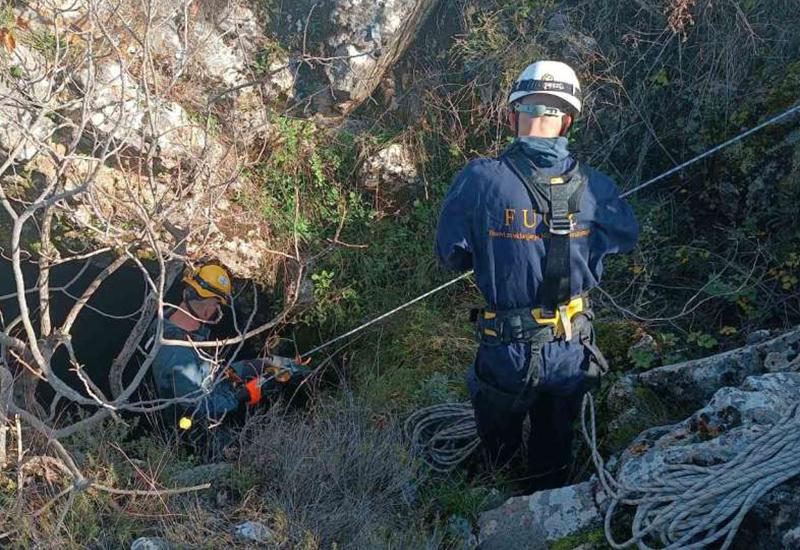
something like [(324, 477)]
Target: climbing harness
[(530, 326), (558, 199)]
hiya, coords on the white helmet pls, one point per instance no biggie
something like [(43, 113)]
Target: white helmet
[(548, 77)]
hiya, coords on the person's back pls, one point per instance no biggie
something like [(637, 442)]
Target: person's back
[(535, 225), (490, 211)]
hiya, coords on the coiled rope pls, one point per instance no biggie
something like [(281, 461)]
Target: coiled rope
[(443, 436), (689, 506)]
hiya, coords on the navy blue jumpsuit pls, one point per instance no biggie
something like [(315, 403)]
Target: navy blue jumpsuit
[(489, 223)]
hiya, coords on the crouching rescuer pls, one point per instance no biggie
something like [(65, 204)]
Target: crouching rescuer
[(213, 394), (535, 225)]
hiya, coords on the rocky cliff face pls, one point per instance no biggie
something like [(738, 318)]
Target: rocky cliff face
[(162, 110), (344, 48)]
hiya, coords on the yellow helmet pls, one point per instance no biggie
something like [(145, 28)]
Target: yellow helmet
[(210, 281)]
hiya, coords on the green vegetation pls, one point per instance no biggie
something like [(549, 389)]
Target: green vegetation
[(717, 259), (595, 538), (7, 19), (297, 189)]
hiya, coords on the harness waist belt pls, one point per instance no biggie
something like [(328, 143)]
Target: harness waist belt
[(524, 321)]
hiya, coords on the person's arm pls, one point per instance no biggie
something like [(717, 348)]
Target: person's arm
[(616, 228), (184, 375), (452, 232)]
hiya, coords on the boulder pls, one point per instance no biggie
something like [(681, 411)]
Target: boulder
[(121, 110), (687, 386), (390, 170), (715, 434), (23, 129), (150, 543), (730, 422), (24, 104), (361, 40), (254, 531), (533, 521)]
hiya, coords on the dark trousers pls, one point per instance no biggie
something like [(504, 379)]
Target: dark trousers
[(549, 443)]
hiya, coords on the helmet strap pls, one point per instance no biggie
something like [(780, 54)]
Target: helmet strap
[(566, 122), (538, 110), (189, 296), (217, 318)]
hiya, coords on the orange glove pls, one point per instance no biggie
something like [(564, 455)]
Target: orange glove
[(253, 388)]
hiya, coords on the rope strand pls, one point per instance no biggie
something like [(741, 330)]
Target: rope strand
[(687, 503), (649, 182)]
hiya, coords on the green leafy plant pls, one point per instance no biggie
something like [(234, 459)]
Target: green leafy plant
[(702, 339)]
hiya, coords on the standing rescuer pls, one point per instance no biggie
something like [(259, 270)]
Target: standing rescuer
[(182, 371), (535, 225)]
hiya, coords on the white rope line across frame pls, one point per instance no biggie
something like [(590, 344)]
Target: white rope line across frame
[(709, 152), (689, 507)]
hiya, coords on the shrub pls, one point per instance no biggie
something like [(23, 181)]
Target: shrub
[(333, 477)]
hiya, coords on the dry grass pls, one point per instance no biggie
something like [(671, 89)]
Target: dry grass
[(335, 478)]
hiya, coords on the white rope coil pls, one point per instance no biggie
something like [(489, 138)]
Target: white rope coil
[(689, 506), (443, 436)]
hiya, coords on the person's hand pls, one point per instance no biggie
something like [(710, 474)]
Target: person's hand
[(283, 369)]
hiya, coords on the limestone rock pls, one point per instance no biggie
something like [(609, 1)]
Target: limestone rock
[(366, 38), (254, 531), (733, 419), (691, 384), (530, 522), (220, 61), (237, 19), (715, 433), (728, 424), (150, 543), (24, 101), (390, 170), (22, 129), (282, 80)]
